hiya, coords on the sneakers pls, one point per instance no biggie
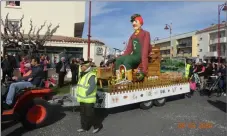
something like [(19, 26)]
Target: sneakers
[(97, 129), (94, 131), (81, 130)]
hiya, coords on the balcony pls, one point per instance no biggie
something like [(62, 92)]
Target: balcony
[(211, 54), (165, 48), (215, 41), (181, 46), (184, 55), (165, 55)]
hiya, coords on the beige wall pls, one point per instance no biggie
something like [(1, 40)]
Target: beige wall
[(64, 12), (194, 46)]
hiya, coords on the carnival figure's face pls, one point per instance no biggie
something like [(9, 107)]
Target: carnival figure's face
[(136, 24)]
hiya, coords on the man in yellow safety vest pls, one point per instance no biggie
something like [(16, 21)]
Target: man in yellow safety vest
[(86, 95), (187, 69)]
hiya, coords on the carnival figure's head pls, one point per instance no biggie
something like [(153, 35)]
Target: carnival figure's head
[(137, 21)]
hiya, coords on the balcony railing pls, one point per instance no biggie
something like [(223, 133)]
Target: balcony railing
[(165, 48), (184, 46), (212, 53), (184, 55), (222, 40), (165, 55)]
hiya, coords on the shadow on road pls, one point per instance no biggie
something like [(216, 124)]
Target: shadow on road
[(57, 116), (176, 97), (7, 124), (218, 104)]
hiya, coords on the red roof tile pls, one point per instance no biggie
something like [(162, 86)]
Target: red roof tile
[(58, 38), (214, 27)]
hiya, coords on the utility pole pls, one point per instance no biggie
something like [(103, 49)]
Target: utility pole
[(89, 31)]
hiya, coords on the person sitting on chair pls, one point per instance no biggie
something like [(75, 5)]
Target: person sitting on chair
[(34, 79)]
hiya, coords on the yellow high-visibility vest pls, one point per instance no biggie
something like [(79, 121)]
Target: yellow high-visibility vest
[(83, 86), (187, 70)]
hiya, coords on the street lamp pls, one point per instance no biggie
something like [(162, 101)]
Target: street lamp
[(222, 7), (155, 39), (169, 27)]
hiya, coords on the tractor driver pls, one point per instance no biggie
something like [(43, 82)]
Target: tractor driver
[(34, 79)]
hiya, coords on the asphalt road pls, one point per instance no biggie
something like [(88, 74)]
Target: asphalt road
[(132, 121)]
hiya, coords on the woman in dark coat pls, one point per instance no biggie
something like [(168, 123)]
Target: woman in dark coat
[(74, 70)]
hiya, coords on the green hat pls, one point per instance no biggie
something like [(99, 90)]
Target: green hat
[(134, 16)]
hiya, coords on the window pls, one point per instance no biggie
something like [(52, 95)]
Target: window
[(201, 38), (197, 44), (213, 48), (200, 50), (13, 3), (13, 25), (222, 34)]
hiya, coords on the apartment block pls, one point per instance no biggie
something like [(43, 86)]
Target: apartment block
[(183, 45), (208, 42)]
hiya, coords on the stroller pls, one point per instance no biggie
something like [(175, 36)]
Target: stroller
[(214, 87), (195, 82)]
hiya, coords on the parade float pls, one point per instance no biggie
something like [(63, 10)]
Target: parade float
[(153, 89), (135, 76)]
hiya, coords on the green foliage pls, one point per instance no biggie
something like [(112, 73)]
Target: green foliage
[(172, 65)]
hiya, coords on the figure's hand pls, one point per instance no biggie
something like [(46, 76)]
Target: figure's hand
[(30, 79), (14, 78)]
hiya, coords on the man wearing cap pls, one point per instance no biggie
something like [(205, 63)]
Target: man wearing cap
[(86, 95), (137, 50)]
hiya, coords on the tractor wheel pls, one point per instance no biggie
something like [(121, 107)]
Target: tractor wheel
[(160, 102), (146, 105), (36, 114)]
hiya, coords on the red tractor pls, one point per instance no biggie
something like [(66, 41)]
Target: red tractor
[(30, 107)]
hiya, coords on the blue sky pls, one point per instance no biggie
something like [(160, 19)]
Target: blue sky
[(111, 20)]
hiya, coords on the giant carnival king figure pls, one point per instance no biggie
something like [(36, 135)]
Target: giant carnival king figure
[(137, 50)]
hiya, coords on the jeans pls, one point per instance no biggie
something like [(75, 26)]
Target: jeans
[(202, 82), (222, 84), (14, 88)]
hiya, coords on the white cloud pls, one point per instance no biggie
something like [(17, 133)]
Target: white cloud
[(99, 8), (187, 17)]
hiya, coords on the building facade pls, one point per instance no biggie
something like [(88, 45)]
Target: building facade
[(70, 15), (183, 45), (208, 42)]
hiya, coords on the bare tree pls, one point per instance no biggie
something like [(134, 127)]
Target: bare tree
[(13, 36)]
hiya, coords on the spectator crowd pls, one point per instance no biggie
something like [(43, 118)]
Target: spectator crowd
[(202, 72), (199, 73), (9, 65)]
